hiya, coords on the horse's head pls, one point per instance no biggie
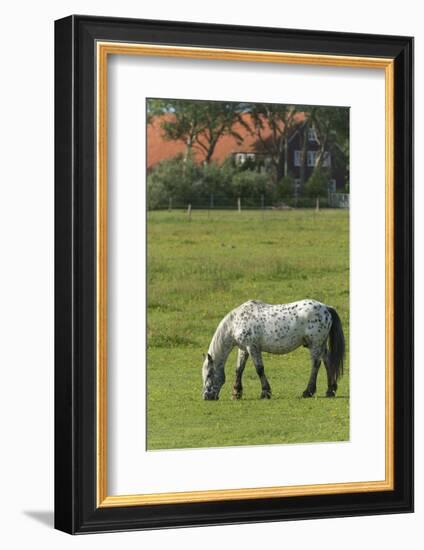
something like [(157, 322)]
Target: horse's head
[(211, 386)]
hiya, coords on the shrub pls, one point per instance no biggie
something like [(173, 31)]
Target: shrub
[(156, 194), (317, 184), (250, 185), (285, 187), (186, 182), (174, 178)]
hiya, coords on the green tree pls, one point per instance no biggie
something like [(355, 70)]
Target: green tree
[(332, 132), (198, 124), (273, 125)]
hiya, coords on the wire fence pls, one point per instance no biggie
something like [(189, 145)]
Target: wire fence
[(333, 200)]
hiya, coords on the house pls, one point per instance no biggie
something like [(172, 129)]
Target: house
[(304, 141), (255, 151)]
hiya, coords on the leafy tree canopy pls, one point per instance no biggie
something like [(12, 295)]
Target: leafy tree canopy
[(199, 124)]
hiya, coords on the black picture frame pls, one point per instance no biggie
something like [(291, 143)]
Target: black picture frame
[(76, 509)]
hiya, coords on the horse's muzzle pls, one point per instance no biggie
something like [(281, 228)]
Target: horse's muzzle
[(210, 396)]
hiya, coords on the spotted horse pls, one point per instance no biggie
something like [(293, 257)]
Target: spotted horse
[(255, 327)]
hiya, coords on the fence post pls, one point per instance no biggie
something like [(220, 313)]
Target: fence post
[(317, 205), (263, 206), (189, 212), (239, 204)]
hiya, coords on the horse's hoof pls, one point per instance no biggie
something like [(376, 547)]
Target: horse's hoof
[(330, 393), (266, 394), (307, 393)]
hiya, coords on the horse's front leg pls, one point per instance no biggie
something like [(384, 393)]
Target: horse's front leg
[(242, 358), (259, 366)]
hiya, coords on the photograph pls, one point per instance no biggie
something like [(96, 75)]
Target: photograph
[(247, 273)]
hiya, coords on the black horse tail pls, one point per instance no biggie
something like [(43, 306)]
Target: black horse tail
[(336, 341)]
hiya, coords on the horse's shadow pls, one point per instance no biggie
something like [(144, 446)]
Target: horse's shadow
[(335, 397), (289, 398)]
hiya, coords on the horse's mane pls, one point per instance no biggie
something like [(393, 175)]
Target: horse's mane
[(223, 334)]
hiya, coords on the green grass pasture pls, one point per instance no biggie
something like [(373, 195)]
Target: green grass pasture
[(198, 271)]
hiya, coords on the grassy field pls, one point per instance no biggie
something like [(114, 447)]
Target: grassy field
[(198, 271)]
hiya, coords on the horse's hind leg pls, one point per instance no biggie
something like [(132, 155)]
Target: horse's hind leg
[(242, 358), (332, 384), (311, 388), (259, 366)]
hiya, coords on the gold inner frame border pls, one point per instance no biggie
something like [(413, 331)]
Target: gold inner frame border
[(103, 50)]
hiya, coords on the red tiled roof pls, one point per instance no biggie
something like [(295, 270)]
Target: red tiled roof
[(159, 148)]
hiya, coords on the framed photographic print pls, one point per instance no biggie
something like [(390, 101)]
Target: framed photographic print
[(233, 266)]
